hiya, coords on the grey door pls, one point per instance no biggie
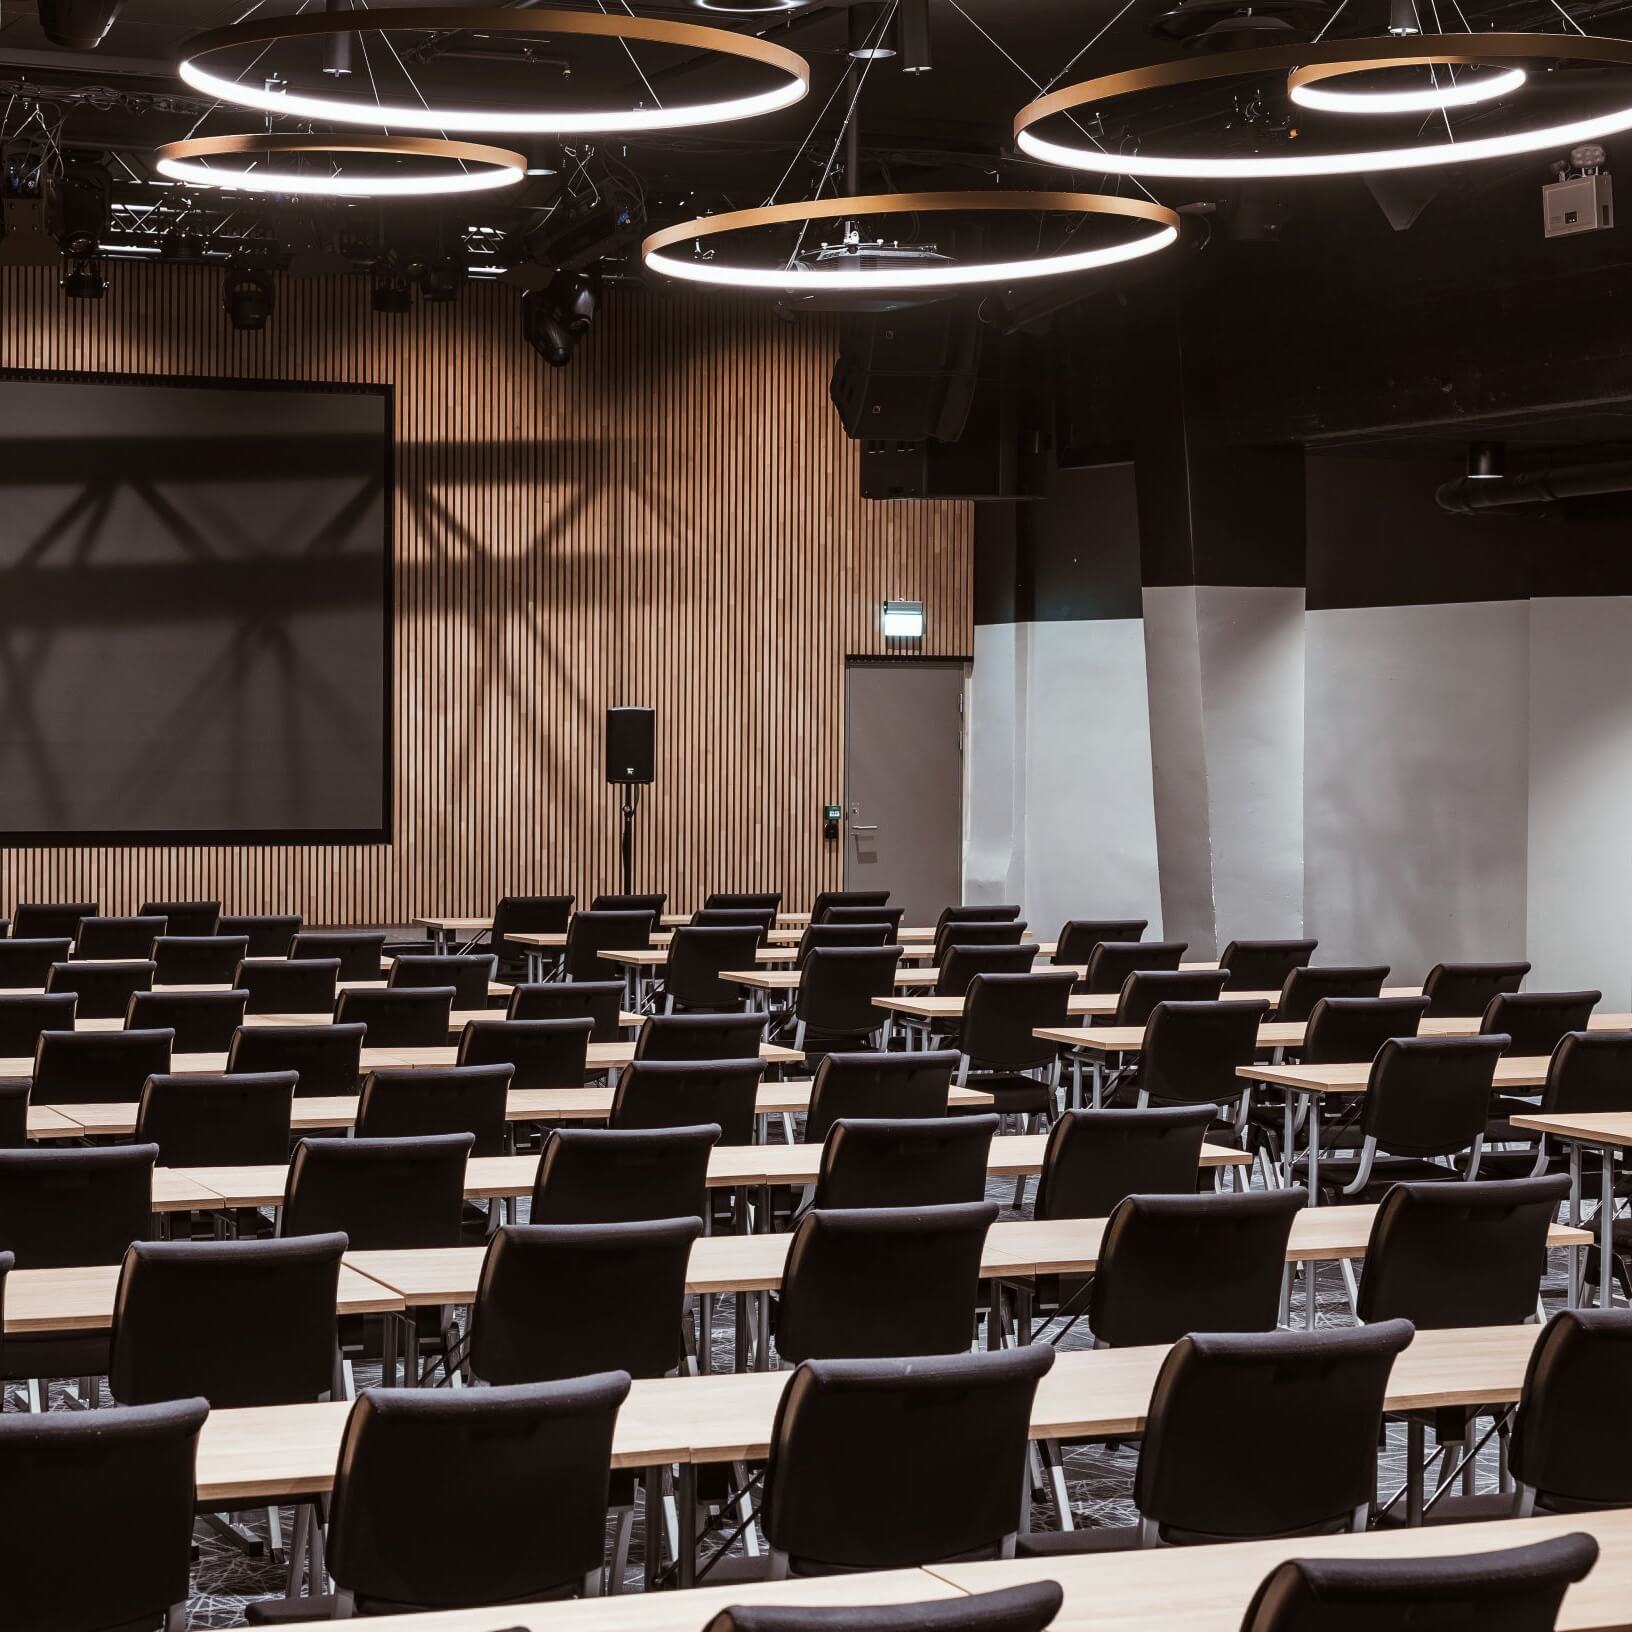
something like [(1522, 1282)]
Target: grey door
[(903, 779)]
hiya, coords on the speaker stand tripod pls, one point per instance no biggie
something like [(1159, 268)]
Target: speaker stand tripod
[(631, 799)]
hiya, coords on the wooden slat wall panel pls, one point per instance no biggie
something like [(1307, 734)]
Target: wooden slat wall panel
[(675, 520)]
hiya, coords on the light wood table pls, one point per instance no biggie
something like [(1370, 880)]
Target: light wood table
[(458, 1019), (1603, 1131), (47, 1122), (445, 932)]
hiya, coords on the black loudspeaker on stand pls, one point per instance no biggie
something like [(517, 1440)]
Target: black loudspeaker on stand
[(631, 740)]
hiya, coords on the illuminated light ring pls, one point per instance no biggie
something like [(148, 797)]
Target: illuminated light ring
[(184, 161), (477, 121), (1304, 88), (811, 280), (1286, 59)]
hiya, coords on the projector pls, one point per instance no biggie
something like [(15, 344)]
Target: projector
[(1582, 199)]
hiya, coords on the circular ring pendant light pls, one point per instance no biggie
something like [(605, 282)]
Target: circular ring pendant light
[(908, 279), (1346, 56), (1305, 86), (792, 69), (189, 161)]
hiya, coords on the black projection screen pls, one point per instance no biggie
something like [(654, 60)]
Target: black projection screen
[(195, 602)]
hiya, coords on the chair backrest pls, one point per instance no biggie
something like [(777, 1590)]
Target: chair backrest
[(101, 937), (104, 988), (1589, 1071), (1001, 1013), (960, 964), (97, 1067), (697, 954), (468, 973), (865, 915), (627, 1283), (1079, 936), (1536, 1022), (594, 932), (1572, 1435), (1145, 988), (406, 1102), (769, 900), (978, 932), (615, 1175), (1459, 1254), (14, 1113), (759, 919), (25, 965), (540, 1053), (1096, 1158), (541, 1453), (203, 1022), (1192, 1051), (923, 1161), (399, 1016), (1464, 989), (1111, 962), (1263, 966), (217, 1120), (600, 1001), (24, 1015), (361, 952), (240, 1323), (327, 1058), (1430, 1096), (378, 1193), (1344, 1029), (527, 915), (1518, 1589), (277, 986), (688, 1093), (63, 1208), (1197, 1263), (977, 914), (652, 903), (271, 934), (185, 917), (198, 960), (1030, 1608), (854, 1085), (820, 935), (700, 1037), (127, 1472), (1197, 1478), (1304, 988), (49, 920), (957, 1428), (826, 900)]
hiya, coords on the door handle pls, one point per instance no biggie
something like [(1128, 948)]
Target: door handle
[(860, 827)]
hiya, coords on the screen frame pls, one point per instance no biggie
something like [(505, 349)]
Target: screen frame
[(183, 838)]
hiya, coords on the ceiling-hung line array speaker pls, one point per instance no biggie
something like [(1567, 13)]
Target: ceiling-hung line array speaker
[(907, 376)]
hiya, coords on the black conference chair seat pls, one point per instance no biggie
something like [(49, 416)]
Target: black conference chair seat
[(1386, 1171), (1012, 1092), (52, 1354)]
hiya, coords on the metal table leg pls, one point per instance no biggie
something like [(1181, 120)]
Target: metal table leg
[(1606, 1227)]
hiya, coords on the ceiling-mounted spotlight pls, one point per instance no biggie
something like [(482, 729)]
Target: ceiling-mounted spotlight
[(79, 25), (1487, 461), (574, 298), (83, 280), (247, 297), (337, 54), (544, 330), (872, 35), (390, 294), (913, 27)]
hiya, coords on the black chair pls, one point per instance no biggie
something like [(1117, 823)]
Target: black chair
[(688, 1093), (1344, 1029), (103, 988), (924, 1161), (97, 1067), (760, 919), (191, 918), (828, 899), (894, 1085), (378, 1193), (121, 938), (866, 915), (1572, 1434), (49, 920), (1030, 1608), (960, 964), (626, 1284), (1516, 1590), (1094, 1159), (975, 914), (540, 1053), (1145, 988), (1589, 1071), (399, 1016), (360, 952), (26, 965), (592, 933), (526, 915), (1459, 1255), (217, 1120), (600, 1001), (198, 960), (1197, 1263), (834, 1007), (203, 1022), (271, 934), (127, 1475), (817, 936), (700, 1037), (328, 1059), (1111, 962), (1536, 1022), (1304, 988), (615, 1176), (974, 932), (955, 1428), (998, 1041), (403, 1103), (277, 986), (652, 904), (14, 1092), (1465, 989), (239, 1323), (469, 974), (764, 900), (24, 1015), (1079, 936), (1264, 966), (1192, 1052), (697, 955)]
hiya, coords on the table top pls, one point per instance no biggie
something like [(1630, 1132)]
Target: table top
[(1611, 1129), (1351, 1077), (1084, 1003)]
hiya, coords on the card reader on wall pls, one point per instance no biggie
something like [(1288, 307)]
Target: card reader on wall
[(830, 821)]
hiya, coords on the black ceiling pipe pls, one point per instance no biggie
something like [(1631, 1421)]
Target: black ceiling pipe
[(80, 25), (1465, 497)]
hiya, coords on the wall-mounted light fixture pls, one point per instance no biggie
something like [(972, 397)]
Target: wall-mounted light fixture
[(903, 620)]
